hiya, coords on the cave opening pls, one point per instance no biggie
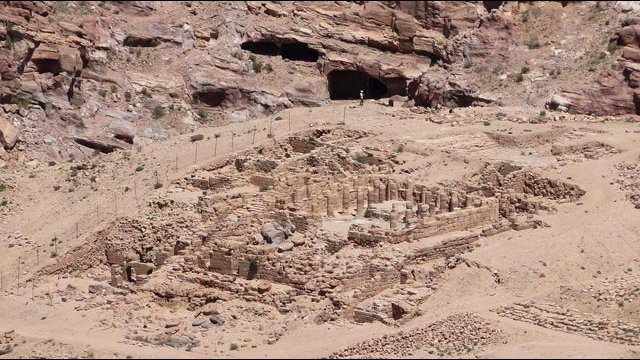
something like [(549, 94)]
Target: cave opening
[(210, 97), (135, 41), (346, 85), (48, 66), (261, 47), (490, 5), (295, 51), (298, 51)]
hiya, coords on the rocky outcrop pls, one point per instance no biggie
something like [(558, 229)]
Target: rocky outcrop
[(8, 134), (439, 88), (616, 91)]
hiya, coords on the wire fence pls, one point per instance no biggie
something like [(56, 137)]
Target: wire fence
[(83, 219)]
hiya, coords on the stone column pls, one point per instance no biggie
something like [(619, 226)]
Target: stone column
[(393, 220), (371, 196), (393, 190), (360, 201), (444, 202), (346, 201), (330, 208), (410, 188), (453, 202), (408, 216), (382, 191), (432, 210), (422, 210), (375, 192)]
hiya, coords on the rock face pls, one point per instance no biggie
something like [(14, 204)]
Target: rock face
[(8, 134), (616, 91), (438, 88)]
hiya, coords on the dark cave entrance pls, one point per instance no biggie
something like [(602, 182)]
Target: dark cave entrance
[(48, 66), (211, 97), (296, 51), (346, 85), (261, 47), (490, 5), (135, 41)]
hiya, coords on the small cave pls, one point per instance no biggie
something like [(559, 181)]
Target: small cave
[(48, 66), (211, 98), (261, 47), (490, 5), (135, 41), (295, 51), (346, 85), (298, 51)]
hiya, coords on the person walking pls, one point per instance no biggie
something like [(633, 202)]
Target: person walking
[(361, 97)]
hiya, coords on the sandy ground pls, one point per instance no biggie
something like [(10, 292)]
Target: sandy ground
[(602, 223)]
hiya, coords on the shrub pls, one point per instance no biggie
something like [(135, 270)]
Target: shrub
[(268, 68), (612, 47), (202, 113), (554, 72), (533, 42), (620, 303), (52, 163), (3, 186), (139, 168), (278, 118), (114, 88), (171, 107), (196, 137), (126, 188), (524, 70), (479, 69), (497, 70), (144, 92), (56, 187), (253, 268), (22, 103), (257, 65), (233, 346), (54, 254), (543, 113), (158, 112), (519, 78), (3, 203), (31, 176), (486, 123), (74, 173), (127, 96), (467, 64), (500, 115), (102, 92), (264, 186), (637, 206), (157, 185)]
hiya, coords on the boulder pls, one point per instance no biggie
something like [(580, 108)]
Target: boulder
[(271, 234), (8, 134), (216, 320), (285, 246), (439, 88), (56, 59)]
